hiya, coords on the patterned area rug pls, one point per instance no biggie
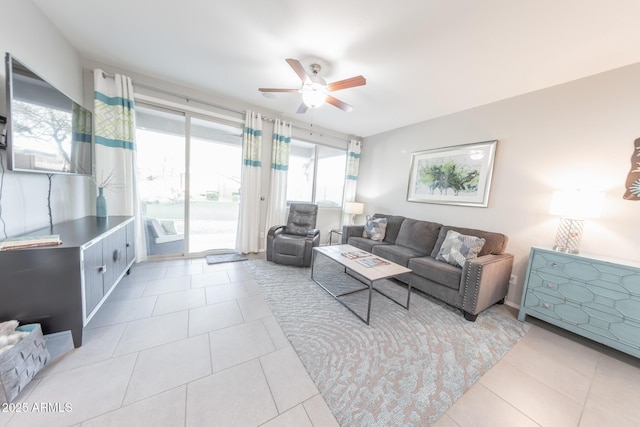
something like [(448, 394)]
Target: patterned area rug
[(406, 368)]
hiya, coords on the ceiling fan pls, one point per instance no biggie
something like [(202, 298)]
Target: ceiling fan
[(315, 91)]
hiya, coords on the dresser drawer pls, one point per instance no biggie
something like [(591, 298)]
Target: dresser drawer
[(560, 287), (604, 275), (558, 308)]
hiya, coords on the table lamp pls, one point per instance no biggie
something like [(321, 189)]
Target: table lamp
[(353, 209), (573, 207)]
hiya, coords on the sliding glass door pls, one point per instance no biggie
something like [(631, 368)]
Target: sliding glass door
[(214, 182), (161, 143), (189, 174)]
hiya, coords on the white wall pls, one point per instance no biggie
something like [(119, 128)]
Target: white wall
[(28, 35), (575, 135)]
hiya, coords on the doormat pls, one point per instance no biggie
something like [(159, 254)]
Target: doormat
[(217, 259)]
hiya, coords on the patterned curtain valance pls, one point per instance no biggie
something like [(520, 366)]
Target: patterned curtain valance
[(281, 146), (280, 150), (353, 161), (115, 156), (248, 239), (114, 111), (252, 140), (351, 176)]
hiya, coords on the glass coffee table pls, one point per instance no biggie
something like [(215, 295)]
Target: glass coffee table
[(356, 264)]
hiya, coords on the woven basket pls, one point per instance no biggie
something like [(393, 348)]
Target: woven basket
[(22, 362)]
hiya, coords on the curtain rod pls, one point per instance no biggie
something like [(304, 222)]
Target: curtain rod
[(104, 75), (177, 95), (188, 98), (210, 104)]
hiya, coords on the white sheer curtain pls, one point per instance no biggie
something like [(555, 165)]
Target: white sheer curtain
[(248, 240), (280, 148), (115, 149), (351, 176)]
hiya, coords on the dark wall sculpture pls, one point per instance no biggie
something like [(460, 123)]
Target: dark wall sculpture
[(633, 178)]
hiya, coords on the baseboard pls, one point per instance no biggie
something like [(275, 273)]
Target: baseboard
[(512, 304)]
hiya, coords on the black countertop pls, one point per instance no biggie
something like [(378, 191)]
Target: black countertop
[(77, 232)]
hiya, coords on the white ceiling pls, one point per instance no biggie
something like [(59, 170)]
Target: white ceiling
[(421, 58)]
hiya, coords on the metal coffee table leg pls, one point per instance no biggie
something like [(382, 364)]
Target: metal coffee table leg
[(335, 296)]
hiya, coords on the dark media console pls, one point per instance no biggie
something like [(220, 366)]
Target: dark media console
[(62, 287)]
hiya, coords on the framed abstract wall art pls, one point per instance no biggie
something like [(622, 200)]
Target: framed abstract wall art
[(458, 175)]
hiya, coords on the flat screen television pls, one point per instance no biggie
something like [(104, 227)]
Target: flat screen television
[(47, 131)]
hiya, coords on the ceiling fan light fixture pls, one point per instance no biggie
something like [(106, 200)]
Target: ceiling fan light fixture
[(314, 94), (315, 91)]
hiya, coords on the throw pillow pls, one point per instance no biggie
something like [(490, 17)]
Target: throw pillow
[(458, 248), (169, 226), (375, 228)]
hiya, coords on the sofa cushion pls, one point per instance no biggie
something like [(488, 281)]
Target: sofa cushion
[(375, 228), (396, 253), (420, 236), (495, 243), (436, 271), (364, 243), (302, 218), (394, 222), (289, 245), (168, 238), (289, 249), (458, 248), (156, 228)]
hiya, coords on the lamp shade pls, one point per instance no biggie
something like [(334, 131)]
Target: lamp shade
[(577, 204), (354, 208)]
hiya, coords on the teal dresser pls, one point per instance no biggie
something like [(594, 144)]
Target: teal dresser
[(598, 298)]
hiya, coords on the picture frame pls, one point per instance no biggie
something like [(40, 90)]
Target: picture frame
[(456, 175)]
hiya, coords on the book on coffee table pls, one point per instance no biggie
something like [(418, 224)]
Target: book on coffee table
[(372, 262), (355, 254)]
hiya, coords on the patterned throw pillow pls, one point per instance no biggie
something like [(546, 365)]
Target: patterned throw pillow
[(458, 248), (375, 228), (169, 226)]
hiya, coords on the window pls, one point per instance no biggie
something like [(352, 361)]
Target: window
[(301, 171), (316, 174)]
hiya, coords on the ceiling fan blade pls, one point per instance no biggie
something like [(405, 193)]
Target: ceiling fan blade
[(346, 83), (337, 103), (299, 69), (302, 108), (266, 89)]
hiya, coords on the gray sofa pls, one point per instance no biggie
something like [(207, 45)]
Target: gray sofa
[(482, 282)]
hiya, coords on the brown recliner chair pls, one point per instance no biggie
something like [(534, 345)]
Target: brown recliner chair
[(292, 244)]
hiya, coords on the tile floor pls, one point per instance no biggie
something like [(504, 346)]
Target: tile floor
[(553, 378), (183, 343)]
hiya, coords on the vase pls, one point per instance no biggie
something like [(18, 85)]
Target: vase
[(101, 204)]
